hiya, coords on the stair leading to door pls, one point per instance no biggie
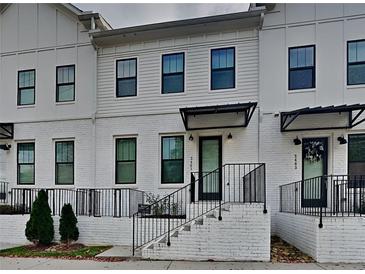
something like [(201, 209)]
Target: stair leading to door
[(242, 234)]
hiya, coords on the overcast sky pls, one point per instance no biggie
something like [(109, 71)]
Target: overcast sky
[(123, 15)]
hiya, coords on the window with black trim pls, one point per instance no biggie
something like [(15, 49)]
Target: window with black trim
[(125, 161), (26, 87), (356, 154), (64, 162), (172, 159), (25, 164), (222, 68), (302, 70), (173, 73), (356, 62), (65, 83), (126, 78)]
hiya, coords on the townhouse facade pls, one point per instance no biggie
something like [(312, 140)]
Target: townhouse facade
[(214, 117)]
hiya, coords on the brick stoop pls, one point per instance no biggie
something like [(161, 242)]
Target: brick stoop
[(243, 234)]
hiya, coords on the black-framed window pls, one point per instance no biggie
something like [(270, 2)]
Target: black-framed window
[(25, 163), (173, 66), (26, 87), (65, 83), (126, 77), (302, 69), (356, 62), (64, 162), (172, 159), (125, 161), (356, 154), (222, 72)]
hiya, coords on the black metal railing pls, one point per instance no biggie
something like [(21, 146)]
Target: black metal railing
[(231, 183), (4, 192), (111, 202), (325, 196)]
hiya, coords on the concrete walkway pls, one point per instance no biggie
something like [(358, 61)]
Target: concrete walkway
[(35, 263)]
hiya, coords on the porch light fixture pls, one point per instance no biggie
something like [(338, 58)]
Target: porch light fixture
[(229, 136), (297, 141), (342, 140), (191, 138), (5, 147)]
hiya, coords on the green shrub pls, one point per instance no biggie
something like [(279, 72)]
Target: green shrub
[(68, 229), (39, 228)]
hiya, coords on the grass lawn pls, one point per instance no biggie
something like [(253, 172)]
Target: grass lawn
[(74, 251)]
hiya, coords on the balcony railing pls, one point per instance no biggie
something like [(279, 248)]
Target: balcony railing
[(325, 196)]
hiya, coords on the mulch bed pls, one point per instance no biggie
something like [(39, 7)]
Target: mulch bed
[(282, 252)]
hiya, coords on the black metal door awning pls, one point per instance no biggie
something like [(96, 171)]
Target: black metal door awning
[(218, 116), (353, 117), (6, 131)]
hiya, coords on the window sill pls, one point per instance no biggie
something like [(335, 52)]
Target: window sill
[(65, 103), (301, 90), (171, 186), (124, 97), (25, 106), (173, 94), (126, 186), (223, 90), (362, 86)]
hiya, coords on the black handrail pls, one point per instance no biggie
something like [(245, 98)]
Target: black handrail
[(230, 183), (325, 196)]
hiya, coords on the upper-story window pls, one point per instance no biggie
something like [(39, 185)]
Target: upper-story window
[(26, 87), (302, 69), (65, 83), (126, 77), (173, 73), (356, 62), (222, 68)]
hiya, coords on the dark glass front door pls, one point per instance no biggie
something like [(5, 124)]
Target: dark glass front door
[(210, 172), (314, 161)]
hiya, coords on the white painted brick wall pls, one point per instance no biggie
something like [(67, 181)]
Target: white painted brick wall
[(243, 234), (93, 230), (148, 130), (342, 239), (44, 135)]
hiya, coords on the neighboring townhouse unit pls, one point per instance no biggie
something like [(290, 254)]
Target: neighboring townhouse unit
[(48, 91), (312, 130)]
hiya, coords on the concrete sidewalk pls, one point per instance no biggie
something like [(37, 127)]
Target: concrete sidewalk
[(35, 263)]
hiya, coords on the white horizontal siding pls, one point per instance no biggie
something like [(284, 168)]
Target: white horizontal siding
[(149, 99)]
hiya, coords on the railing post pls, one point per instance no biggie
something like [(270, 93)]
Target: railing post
[(90, 202), (133, 237), (192, 188), (295, 197), (168, 230), (320, 219), (265, 209), (220, 210), (23, 205)]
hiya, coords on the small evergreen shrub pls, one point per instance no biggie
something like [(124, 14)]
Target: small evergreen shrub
[(39, 228), (68, 225)]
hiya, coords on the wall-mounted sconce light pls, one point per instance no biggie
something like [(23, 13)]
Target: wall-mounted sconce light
[(191, 138), (342, 140), (5, 147), (297, 141), (229, 136)]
